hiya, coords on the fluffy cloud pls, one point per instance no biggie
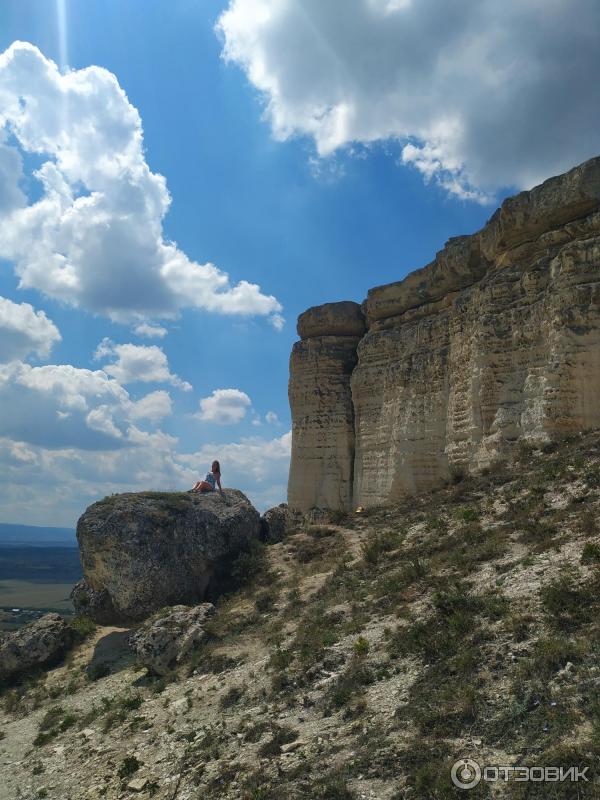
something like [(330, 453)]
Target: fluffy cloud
[(24, 330), (272, 418), (61, 406), (150, 331), (136, 362), (224, 406), (480, 95), (154, 406), (53, 486), (94, 238), (258, 466)]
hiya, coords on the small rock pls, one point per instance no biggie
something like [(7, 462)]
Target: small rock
[(88, 733), (180, 705), (291, 746), (137, 784)]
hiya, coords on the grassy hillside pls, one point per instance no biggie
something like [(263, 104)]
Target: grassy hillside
[(367, 654)]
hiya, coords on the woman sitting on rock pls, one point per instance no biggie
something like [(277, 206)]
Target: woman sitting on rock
[(213, 479)]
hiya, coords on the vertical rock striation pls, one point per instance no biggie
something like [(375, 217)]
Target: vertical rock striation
[(321, 470), (498, 339)]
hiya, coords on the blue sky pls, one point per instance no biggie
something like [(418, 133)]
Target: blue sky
[(312, 187)]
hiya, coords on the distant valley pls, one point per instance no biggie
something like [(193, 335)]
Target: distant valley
[(38, 567)]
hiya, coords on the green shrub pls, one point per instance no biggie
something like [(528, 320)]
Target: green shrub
[(376, 544), (280, 735), (590, 553), (567, 605), (361, 646), (469, 515), (231, 697), (281, 659), (131, 702), (82, 626), (350, 683), (128, 767), (265, 601)]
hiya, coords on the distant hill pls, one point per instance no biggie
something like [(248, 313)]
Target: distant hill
[(35, 536)]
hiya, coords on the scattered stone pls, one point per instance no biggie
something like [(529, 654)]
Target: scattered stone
[(180, 706), (40, 643), (291, 746), (137, 784), (167, 639)]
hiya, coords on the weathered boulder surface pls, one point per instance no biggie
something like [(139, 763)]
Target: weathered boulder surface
[(277, 522), (168, 638), (497, 340), (37, 644), (144, 551)]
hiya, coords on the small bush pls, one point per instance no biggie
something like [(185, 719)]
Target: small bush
[(350, 683), (83, 626), (361, 646), (567, 605), (131, 702), (549, 655), (590, 553), (469, 515), (376, 544), (248, 567), (280, 735), (231, 697), (128, 767), (55, 721), (211, 663), (281, 659), (265, 601)]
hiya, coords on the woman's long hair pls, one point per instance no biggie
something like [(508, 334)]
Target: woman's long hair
[(218, 466)]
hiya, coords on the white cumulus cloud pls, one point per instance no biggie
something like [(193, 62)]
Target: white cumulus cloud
[(136, 362), (24, 330), (150, 331), (224, 406), (59, 406), (153, 406), (44, 485), (94, 238), (478, 95)]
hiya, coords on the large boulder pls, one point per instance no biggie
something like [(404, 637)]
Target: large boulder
[(141, 552), (277, 522), (40, 643), (167, 639)]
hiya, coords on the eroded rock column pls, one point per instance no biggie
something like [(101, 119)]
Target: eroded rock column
[(322, 466)]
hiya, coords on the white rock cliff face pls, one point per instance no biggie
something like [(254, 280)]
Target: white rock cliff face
[(497, 340)]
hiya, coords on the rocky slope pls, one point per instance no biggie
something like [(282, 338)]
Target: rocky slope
[(141, 552), (497, 340), (361, 659)]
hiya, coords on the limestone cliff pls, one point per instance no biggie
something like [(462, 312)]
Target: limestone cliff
[(496, 340)]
